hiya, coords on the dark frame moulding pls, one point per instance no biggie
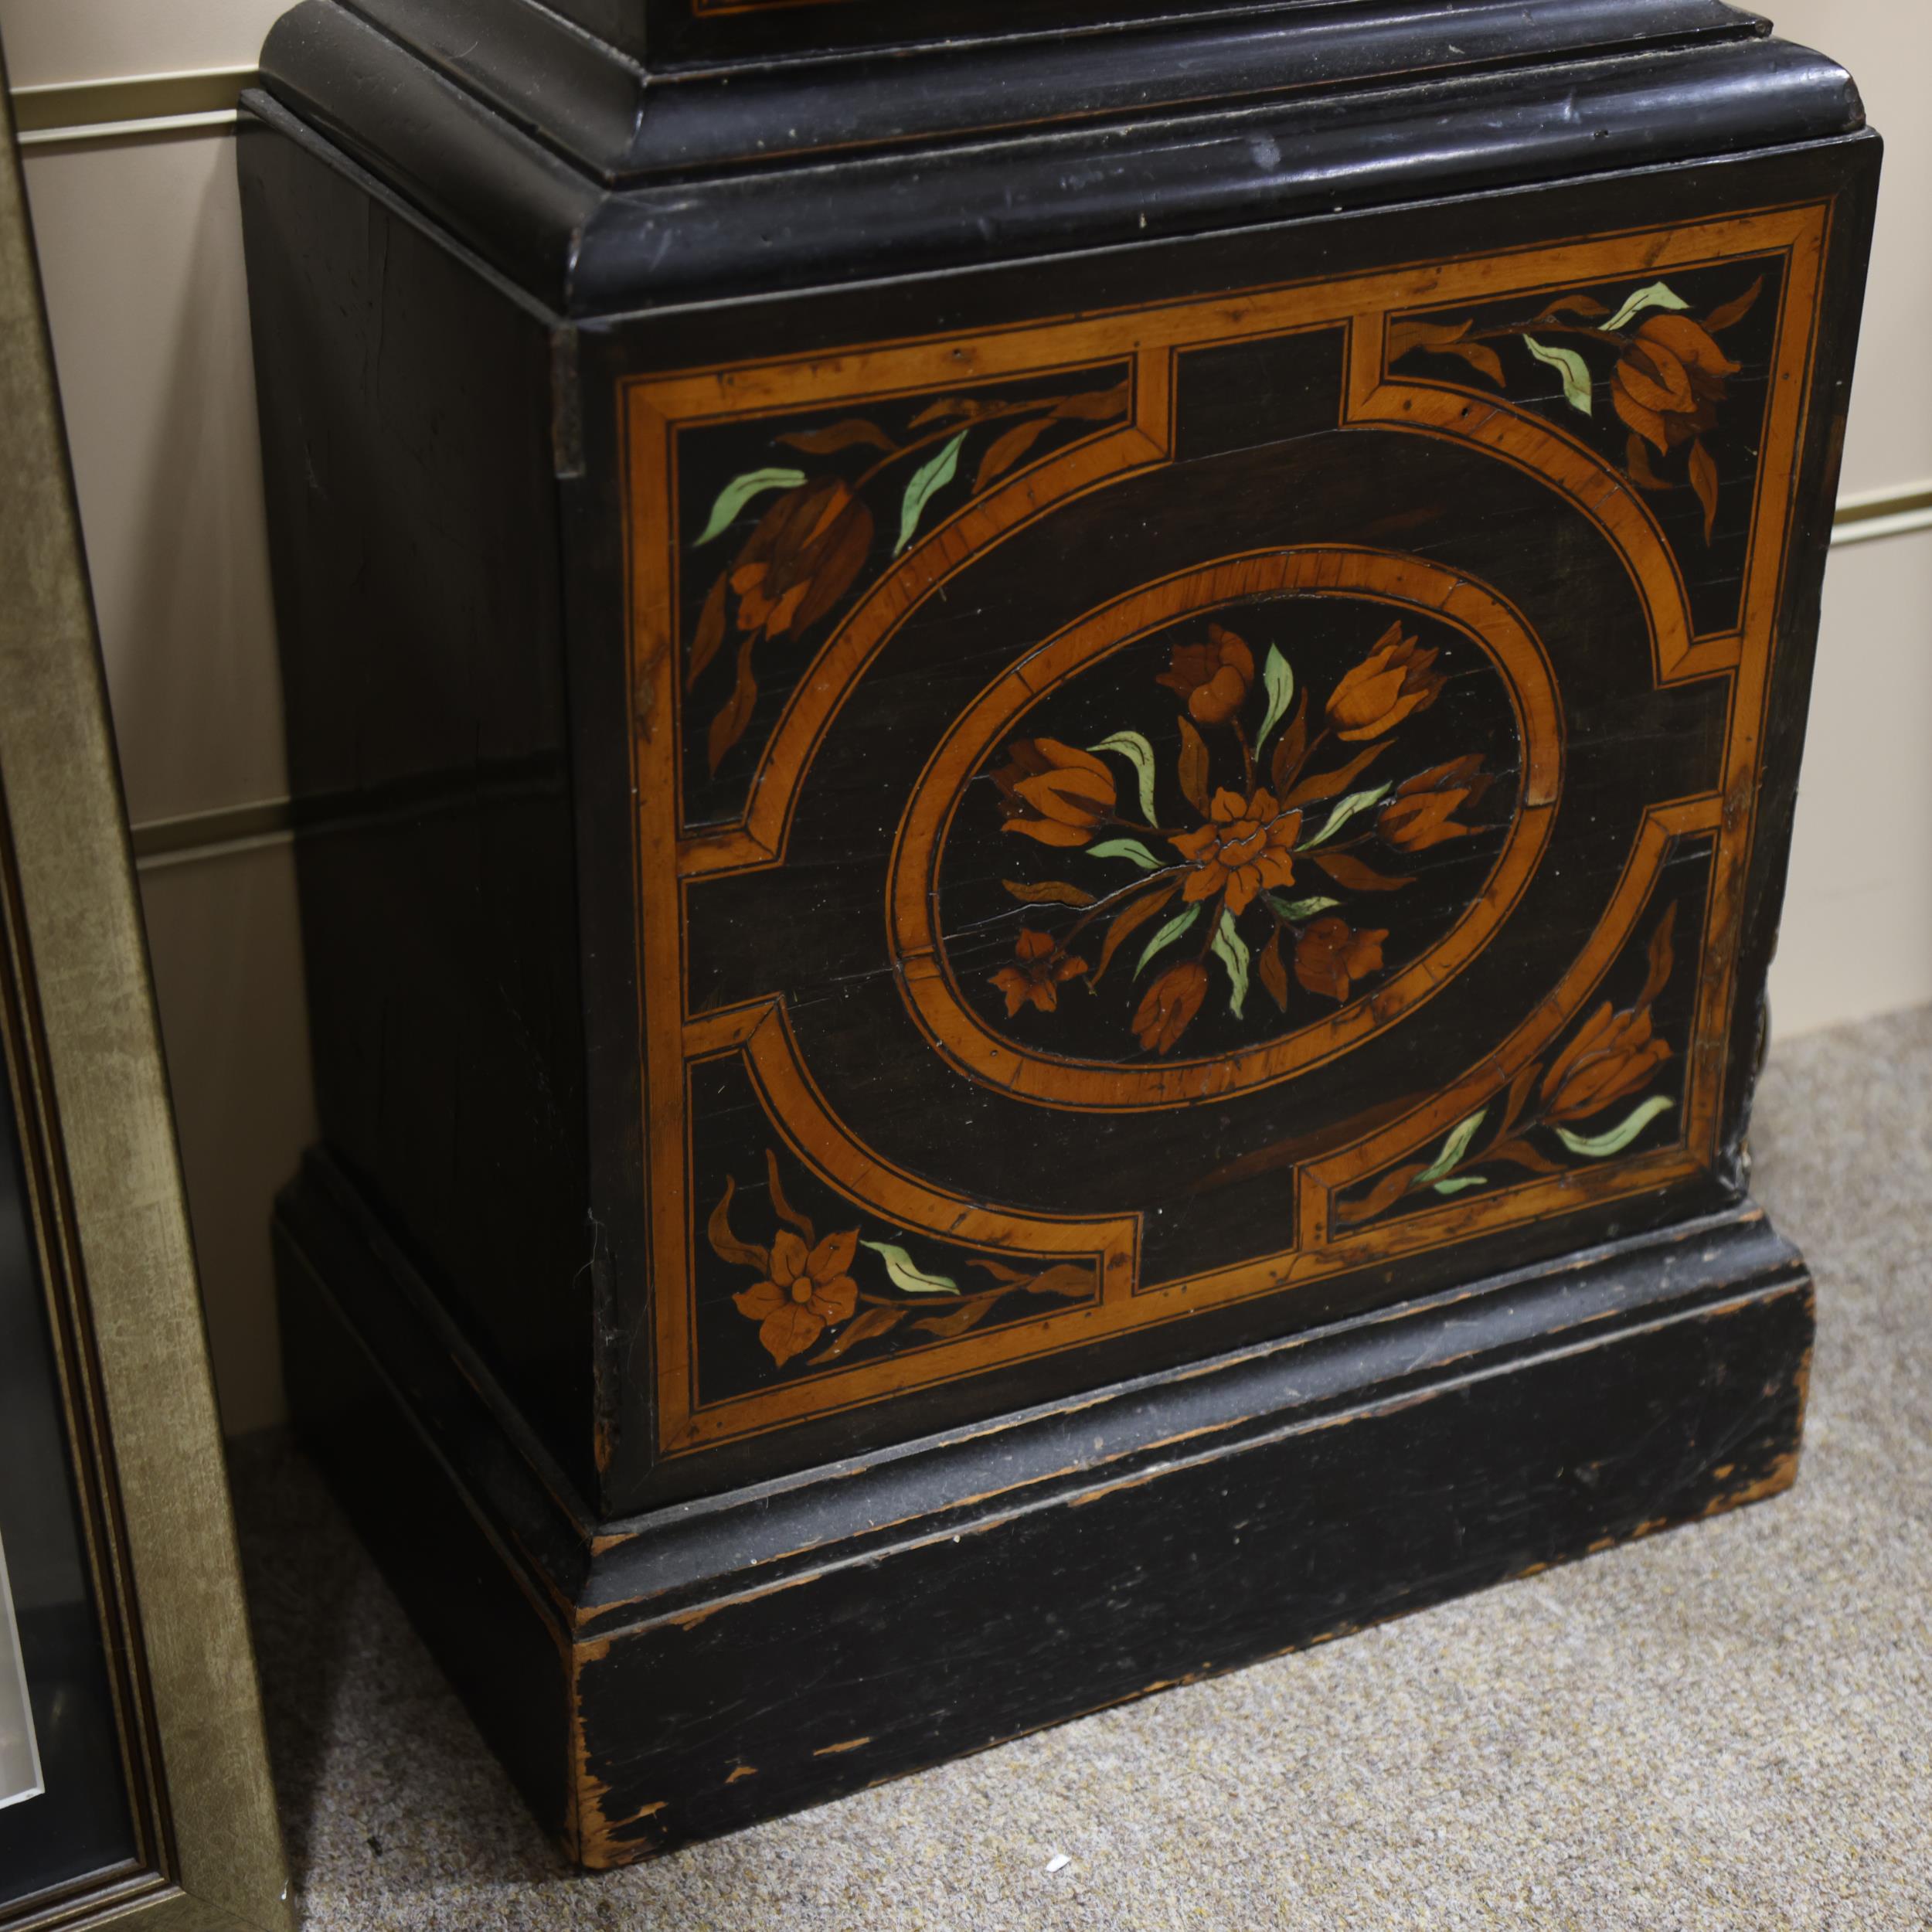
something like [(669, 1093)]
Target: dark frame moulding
[(104, 1184), (619, 121), (583, 248)]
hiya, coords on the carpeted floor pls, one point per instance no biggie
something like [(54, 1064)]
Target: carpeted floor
[(1726, 1726)]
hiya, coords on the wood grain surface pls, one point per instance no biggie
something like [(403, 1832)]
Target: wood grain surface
[(810, 541)]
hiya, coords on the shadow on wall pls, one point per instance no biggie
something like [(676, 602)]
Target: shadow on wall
[(223, 930), (196, 680), (188, 629), (140, 249)]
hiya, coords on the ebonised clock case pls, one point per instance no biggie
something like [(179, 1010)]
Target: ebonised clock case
[(501, 388)]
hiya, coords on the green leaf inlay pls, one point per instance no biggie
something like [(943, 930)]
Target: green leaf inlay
[(1453, 1149), (1170, 932), (913, 1281), (1278, 681), (739, 491), (1571, 366), (1295, 910), (1126, 849), (1600, 1147), (928, 479), (1132, 747), (1345, 809), (1656, 295), (1233, 955)]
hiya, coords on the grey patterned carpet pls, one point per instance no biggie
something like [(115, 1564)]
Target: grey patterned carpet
[(1726, 1726)]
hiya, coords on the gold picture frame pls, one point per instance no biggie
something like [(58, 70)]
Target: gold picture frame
[(103, 1226)]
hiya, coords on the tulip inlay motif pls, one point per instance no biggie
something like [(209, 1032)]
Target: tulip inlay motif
[(1661, 370), (1563, 1109), (1271, 830), (820, 510)]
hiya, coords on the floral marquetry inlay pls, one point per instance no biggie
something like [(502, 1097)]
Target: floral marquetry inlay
[(1266, 842), (789, 521), (1603, 1089), (1225, 840), (1665, 376), (1146, 815)]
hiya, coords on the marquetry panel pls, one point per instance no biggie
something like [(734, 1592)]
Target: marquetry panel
[(1142, 811)]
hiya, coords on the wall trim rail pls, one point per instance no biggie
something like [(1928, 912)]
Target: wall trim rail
[(159, 842), (148, 107), (196, 835), (139, 107), (1897, 512)]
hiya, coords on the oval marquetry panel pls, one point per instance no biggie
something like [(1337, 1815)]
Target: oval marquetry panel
[(1226, 827)]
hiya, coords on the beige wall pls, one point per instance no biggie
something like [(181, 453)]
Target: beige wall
[(73, 40), (138, 242), (1857, 936)]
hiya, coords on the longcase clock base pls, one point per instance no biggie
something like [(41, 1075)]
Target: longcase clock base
[(669, 1676)]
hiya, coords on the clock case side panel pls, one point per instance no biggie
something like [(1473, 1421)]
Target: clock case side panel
[(1815, 490), (1843, 171), (413, 526)]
